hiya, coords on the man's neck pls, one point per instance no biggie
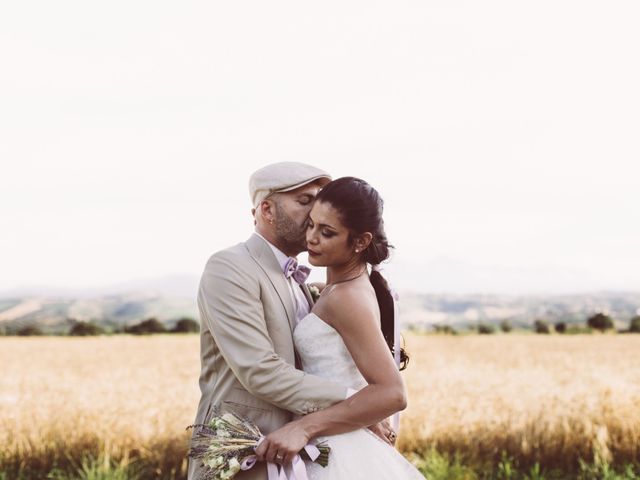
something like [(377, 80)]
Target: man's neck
[(276, 242)]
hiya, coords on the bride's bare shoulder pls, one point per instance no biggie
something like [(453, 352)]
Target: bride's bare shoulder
[(351, 304)]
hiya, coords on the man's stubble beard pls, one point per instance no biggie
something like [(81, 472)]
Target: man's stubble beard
[(292, 236)]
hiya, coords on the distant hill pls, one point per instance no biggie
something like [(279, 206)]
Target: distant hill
[(461, 311), (53, 309), (54, 314), (171, 298)]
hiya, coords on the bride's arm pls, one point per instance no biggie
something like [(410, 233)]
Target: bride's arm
[(384, 395)]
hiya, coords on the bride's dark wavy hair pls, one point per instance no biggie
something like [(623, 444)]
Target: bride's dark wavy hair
[(360, 208)]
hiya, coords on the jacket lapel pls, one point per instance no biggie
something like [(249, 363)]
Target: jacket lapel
[(261, 252)]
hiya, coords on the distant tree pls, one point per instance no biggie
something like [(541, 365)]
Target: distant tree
[(600, 321), (634, 324), (506, 326), (150, 325), (28, 331), (541, 326), (446, 329), (560, 327), (486, 329), (85, 329), (186, 325)]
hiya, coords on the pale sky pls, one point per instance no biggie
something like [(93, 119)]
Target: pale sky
[(503, 136)]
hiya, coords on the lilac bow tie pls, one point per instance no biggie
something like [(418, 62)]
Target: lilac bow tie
[(298, 272)]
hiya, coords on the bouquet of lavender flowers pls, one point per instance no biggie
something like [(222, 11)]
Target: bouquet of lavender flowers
[(227, 443)]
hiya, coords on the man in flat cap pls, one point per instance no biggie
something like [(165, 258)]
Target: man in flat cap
[(250, 298)]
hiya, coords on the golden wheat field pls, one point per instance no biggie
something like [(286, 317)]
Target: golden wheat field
[(551, 399)]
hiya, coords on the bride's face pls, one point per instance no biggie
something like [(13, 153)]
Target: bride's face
[(328, 241)]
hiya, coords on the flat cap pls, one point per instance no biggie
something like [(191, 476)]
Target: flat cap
[(283, 177)]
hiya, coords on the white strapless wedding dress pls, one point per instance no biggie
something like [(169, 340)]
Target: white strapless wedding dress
[(358, 454)]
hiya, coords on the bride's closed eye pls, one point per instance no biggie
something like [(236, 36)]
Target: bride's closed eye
[(324, 233)]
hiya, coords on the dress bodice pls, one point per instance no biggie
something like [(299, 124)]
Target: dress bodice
[(358, 454), (323, 352)]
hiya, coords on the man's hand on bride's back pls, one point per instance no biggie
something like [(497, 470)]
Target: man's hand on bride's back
[(319, 285), (385, 432), (284, 444)]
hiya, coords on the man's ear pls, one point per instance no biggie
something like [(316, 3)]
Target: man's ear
[(267, 211)]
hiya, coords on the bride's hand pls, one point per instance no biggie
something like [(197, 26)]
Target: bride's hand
[(385, 432), (284, 444)]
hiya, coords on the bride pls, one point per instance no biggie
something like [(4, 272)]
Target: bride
[(348, 337)]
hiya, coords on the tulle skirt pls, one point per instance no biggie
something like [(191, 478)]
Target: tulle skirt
[(362, 455)]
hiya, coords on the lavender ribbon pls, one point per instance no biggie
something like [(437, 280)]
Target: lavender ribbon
[(298, 272), (298, 470)]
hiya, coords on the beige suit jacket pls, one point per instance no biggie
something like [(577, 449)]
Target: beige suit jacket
[(246, 345)]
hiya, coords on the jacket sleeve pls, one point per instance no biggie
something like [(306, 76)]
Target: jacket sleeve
[(231, 309)]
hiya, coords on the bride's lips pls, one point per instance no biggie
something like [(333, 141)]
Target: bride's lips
[(312, 253)]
